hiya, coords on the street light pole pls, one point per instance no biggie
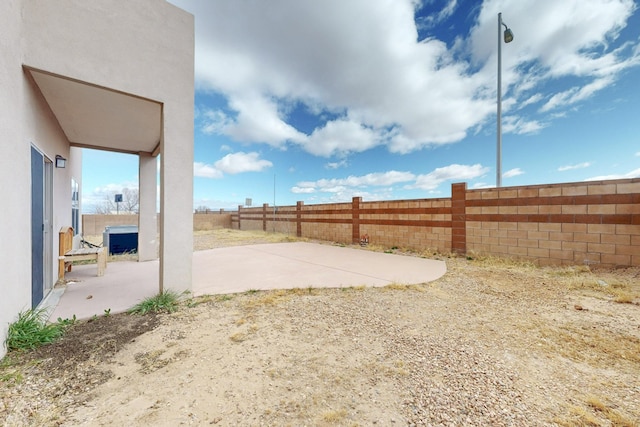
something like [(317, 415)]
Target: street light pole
[(508, 37)]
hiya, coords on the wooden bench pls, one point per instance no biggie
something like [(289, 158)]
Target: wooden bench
[(67, 254)]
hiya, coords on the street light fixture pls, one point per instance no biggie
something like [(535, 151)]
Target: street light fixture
[(508, 37)]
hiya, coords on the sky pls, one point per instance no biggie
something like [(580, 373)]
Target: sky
[(322, 101)]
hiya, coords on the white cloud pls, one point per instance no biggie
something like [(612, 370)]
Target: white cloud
[(232, 164), (552, 40), (205, 171), (340, 137), (242, 162), (227, 205), (257, 120), (115, 188), (441, 15), (361, 61), (336, 165), (566, 38), (576, 94), (371, 179), (316, 53), (213, 121), (638, 153), (576, 166), (521, 126), (98, 196), (302, 189), (513, 172), (260, 121), (633, 174), (533, 99), (454, 172), (344, 188)]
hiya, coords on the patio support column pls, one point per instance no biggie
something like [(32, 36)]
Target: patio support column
[(176, 197), (148, 217)]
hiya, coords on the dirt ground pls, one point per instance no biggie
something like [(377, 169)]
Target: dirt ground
[(491, 343)]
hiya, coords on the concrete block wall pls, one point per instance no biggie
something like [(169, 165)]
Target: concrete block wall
[(331, 222), (93, 225), (284, 222), (254, 218), (340, 233), (412, 224), (211, 220), (252, 225), (594, 223), (415, 224)]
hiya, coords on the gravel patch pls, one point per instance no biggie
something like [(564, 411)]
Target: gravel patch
[(490, 343)]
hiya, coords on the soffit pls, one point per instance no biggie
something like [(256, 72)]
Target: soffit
[(96, 117)]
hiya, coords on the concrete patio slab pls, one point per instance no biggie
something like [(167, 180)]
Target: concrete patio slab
[(239, 269)]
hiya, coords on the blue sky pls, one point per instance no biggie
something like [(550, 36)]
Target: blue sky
[(321, 101)]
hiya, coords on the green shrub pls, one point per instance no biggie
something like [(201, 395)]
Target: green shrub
[(165, 301), (31, 330)]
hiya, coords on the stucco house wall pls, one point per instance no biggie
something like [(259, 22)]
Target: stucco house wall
[(41, 130), (14, 171), (130, 52), (144, 48)]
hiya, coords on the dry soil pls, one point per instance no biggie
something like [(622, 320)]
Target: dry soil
[(490, 343)]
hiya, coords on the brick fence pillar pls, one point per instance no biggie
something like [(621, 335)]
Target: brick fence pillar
[(458, 218), (355, 220), (239, 215), (299, 218), (264, 216)]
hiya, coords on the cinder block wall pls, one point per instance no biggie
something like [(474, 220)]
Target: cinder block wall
[(578, 223), (211, 221), (595, 223), (284, 221), (93, 225), (332, 222), (254, 218), (414, 224)]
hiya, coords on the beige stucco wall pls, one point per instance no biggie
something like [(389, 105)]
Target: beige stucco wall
[(139, 47), (14, 173), (144, 48), (41, 129), (26, 121), (94, 224), (148, 212)]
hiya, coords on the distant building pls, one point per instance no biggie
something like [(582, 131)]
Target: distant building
[(104, 74)]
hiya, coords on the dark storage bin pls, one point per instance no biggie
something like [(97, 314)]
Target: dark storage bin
[(120, 239)]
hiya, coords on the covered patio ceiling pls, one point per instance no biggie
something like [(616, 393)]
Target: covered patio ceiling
[(96, 117)]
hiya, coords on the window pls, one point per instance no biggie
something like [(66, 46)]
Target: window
[(75, 206)]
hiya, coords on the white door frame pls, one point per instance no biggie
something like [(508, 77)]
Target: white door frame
[(48, 226)]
